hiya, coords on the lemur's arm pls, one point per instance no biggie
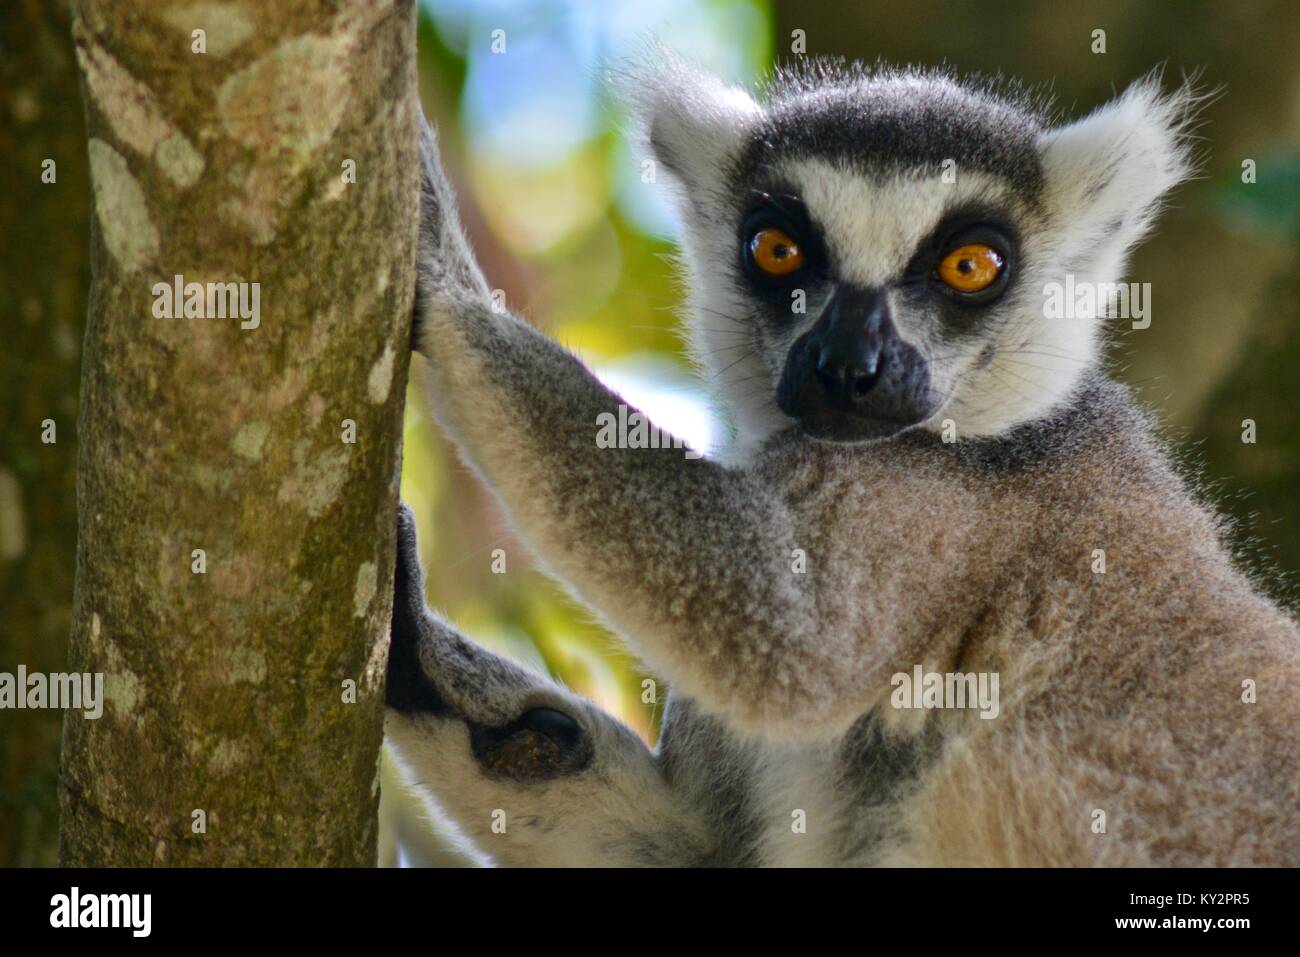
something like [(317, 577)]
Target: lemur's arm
[(534, 774), (689, 560)]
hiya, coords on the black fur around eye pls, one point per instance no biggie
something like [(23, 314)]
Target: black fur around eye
[(960, 266), (779, 247)]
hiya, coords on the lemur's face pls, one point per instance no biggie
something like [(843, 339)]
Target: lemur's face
[(873, 297), (869, 253)]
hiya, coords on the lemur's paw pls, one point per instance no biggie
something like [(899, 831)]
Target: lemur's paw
[(409, 688)]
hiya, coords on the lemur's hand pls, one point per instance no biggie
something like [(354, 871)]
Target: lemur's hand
[(448, 278)]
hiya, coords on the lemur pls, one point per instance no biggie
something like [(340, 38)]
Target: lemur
[(950, 464)]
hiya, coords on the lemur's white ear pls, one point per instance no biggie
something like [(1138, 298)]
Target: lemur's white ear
[(689, 120), (1107, 173)]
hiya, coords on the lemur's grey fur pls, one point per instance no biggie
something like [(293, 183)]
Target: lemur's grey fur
[(1122, 698)]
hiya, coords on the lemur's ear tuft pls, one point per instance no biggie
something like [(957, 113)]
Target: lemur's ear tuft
[(687, 119), (1108, 173)]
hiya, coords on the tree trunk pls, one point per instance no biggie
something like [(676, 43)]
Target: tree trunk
[(44, 269), (234, 565)]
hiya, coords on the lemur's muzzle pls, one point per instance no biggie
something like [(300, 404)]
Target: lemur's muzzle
[(851, 378)]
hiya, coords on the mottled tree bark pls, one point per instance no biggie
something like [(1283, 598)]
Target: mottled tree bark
[(235, 556), (44, 270)]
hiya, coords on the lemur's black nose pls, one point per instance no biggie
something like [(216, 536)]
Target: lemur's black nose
[(852, 377), (850, 351), (847, 375)]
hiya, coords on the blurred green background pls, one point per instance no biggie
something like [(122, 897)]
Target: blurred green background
[(554, 205)]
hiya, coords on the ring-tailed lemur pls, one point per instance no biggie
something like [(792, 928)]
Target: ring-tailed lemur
[(1149, 696)]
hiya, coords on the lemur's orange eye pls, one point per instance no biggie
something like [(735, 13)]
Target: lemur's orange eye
[(970, 268), (774, 252)]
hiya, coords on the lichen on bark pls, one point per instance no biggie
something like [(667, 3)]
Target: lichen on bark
[(226, 523)]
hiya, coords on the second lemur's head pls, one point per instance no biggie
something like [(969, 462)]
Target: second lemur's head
[(868, 251)]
